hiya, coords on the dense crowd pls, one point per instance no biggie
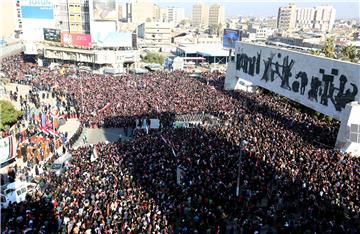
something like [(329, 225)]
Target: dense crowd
[(290, 182)]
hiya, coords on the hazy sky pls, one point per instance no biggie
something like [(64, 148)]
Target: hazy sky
[(344, 9)]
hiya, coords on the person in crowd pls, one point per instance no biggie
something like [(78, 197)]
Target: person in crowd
[(266, 168)]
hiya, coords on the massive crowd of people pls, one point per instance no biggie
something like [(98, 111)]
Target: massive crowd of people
[(289, 180)]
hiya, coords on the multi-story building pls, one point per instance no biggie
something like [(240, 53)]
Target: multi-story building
[(140, 11), (78, 11), (175, 15), (172, 15), (216, 14), (270, 22), (61, 14), (200, 15), (287, 18), (154, 34), (159, 13), (67, 15), (324, 18), (320, 18), (262, 34), (35, 16), (8, 19), (305, 18)]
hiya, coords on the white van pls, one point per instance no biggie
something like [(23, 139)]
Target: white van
[(60, 164), (16, 192)]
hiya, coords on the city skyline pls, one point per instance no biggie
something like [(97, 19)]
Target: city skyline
[(344, 10)]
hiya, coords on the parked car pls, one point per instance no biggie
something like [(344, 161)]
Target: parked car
[(61, 164), (16, 192)]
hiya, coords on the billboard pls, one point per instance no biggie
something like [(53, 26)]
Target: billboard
[(101, 29), (104, 10), (325, 85), (75, 39), (51, 34), (37, 9), (117, 39), (231, 36)]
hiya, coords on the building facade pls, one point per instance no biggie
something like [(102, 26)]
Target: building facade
[(324, 18), (140, 11), (155, 34), (175, 15), (305, 18), (78, 11), (8, 19), (200, 15), (172, 15), (287, 18), (216, 14), (320, 18)]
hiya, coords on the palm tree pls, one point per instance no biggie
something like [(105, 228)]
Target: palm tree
[(315, 52), (349, 53), (213, 29), (328, 49)]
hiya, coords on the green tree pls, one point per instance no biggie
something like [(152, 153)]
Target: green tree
[(152, 57), (220, 28), (8, 114), (328, 49), (185, 22), (349, 53), (213, 29)]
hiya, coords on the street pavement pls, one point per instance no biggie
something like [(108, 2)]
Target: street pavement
[(98, 135), (70, 127)]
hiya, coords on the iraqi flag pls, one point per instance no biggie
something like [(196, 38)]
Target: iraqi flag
[(45, 131), (53, 132), (56, 115), (105, 107), (39, 127)]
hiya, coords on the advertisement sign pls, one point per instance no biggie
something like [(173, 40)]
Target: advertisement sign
[(101, 29), (104, 10), (231, 36), (74, 39), (117, 39), (51, 34), (37, 9), (323, 84)]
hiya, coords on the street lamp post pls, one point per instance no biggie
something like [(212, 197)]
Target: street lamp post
[(242, 143), (238, 174)]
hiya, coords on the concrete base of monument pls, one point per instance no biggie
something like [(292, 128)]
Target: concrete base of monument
[(348, 138), (232, 82)]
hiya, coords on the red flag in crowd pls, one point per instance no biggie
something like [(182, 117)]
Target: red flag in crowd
[(105, 107)]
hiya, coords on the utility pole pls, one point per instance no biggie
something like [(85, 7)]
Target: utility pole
[(242, 144), (238, 174)]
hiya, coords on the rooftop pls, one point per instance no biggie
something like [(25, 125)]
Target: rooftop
[(213, 50)]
